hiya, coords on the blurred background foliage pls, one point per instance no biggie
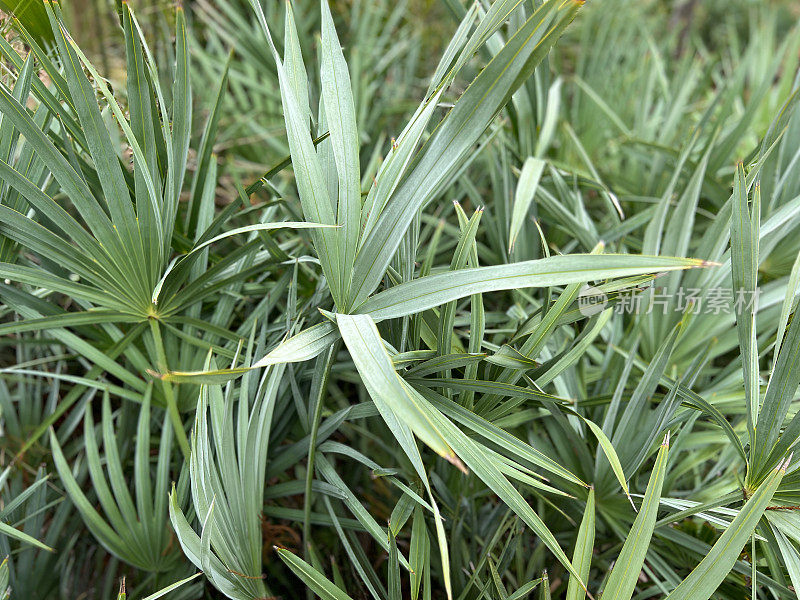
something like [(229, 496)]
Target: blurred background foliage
[(611, 51), (615, 48)]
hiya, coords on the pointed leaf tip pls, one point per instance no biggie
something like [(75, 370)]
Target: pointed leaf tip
[(455, 461), (785, 465), (156, 374)]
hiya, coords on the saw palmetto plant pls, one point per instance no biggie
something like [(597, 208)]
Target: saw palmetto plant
[(294, 309)]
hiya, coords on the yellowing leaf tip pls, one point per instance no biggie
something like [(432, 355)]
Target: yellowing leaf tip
[(455, 461), (156, 374)]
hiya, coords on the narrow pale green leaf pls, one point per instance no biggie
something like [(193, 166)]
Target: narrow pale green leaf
[(427, 292), (384, 384), (706, 577), (315, 580), (784, 379), (584, 545), (16, 534), (340, 113), (172, 587), (529, 178), (744, 274), (611, 455), (622, 580)]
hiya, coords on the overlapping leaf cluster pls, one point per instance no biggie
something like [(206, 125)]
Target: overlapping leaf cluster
[(374, 369)]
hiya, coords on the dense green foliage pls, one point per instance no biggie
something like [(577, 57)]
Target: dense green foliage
[(298, 305)]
